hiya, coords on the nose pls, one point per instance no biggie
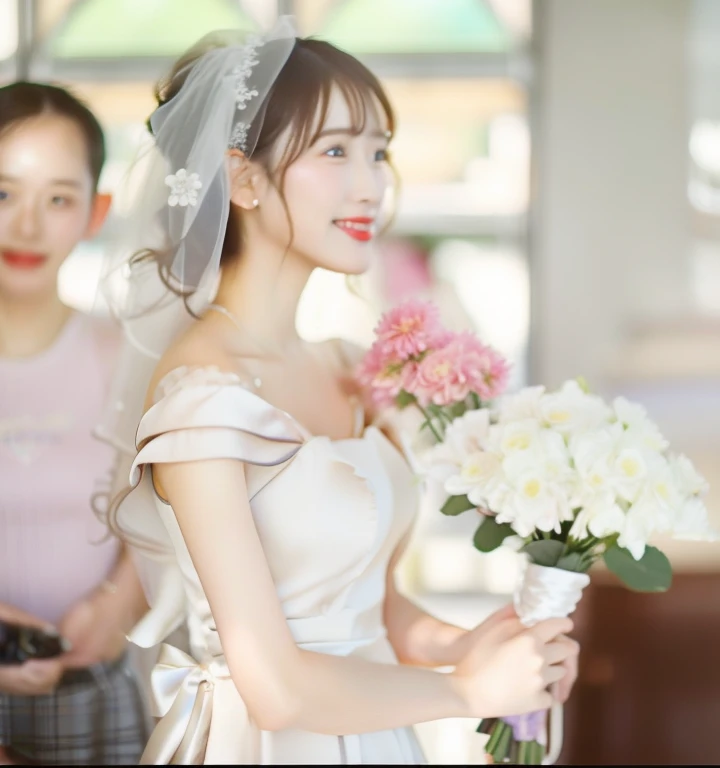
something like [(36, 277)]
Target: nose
[(27, 223), (369, 181)]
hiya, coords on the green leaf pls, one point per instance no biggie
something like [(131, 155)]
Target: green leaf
[(491, 534), (456, 505), (403, 399), (651, 573), (574, 561), (582, 381), (546, 552)]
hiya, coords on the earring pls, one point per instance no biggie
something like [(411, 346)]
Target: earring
[(255, 203)]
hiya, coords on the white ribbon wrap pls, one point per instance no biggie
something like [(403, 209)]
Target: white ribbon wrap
[(549, 593)]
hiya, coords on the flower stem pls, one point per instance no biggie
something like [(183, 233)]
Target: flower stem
[(428, 420)]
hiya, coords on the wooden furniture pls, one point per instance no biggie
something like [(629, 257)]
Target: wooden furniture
[(648, 692)]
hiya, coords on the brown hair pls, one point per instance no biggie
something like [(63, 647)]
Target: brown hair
[(299, 99), (24, 100)]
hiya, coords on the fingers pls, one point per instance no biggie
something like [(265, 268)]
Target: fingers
[(552, 674), (42, 674), (33, 678), (560, 650), (563, 688), (502, 614), (544, 700), (14, 615), (549, 629)]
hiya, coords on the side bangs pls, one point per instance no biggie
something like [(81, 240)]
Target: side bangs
[(307, 98)]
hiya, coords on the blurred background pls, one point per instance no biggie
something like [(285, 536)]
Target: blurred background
[(560, 165)]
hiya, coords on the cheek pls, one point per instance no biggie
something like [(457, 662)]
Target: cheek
[(66, 227), (313, 189)]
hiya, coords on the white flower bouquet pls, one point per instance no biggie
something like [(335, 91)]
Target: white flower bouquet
[(567, 479)]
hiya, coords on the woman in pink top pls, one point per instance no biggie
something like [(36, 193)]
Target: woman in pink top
[(57, 567)]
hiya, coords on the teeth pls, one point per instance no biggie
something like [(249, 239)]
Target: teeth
[(355, 225)]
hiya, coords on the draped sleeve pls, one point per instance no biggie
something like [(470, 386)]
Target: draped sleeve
[(198, 413)]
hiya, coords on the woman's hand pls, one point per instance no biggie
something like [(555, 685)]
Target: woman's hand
[(96, 628), (465, 640), (37, 677), (562, 689), (509, 668), (31, 678)]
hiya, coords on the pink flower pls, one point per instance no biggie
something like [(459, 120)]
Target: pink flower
[(448, 375), (410, 329), (492, 369), (380, 375)]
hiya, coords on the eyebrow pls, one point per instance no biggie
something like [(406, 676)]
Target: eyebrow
[(351, 132), (54, 182)]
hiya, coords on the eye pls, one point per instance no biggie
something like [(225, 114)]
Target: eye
[(335, 151), (59, 201), (3, 195), (381, 155)]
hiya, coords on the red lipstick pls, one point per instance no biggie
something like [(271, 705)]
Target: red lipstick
[(23, 259), (359, 227)]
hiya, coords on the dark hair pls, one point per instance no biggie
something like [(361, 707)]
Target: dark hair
[(23, 100), (299, 98)]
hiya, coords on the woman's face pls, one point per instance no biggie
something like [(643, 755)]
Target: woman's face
[(46, 198), (333, 193)]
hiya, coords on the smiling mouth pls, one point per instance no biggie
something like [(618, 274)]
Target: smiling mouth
[(360, 228), (23, 259)]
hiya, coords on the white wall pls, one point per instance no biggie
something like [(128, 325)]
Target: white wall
[(610, 236)]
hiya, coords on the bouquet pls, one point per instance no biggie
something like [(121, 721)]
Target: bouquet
[(416, 361), (561, 476)]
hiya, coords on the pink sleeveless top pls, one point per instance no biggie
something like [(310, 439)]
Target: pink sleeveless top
[(53, 549)]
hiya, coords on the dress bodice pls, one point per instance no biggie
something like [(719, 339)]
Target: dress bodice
[(329, 514)]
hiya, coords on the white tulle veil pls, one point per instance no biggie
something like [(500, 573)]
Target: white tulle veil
[(174, 205), (179, 205)]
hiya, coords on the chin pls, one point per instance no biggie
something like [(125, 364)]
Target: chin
[(355, 260), (26, 286)]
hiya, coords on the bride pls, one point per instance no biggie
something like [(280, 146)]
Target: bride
[(274, 509)]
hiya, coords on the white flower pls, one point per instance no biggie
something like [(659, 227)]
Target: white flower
[(184, 188), (592, 453), (634, 419), (515, 437), (642, 520), (600, 516), (465, 436), (692, 522), (468, 433), (478, 474), (571, 410), (687, 479), (664, 490), (531, 502), (525, 404), (629, 471)]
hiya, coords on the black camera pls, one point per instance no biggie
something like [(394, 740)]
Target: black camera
[(19, 643)]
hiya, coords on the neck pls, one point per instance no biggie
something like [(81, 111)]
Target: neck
[(28, 326), (262, 290)]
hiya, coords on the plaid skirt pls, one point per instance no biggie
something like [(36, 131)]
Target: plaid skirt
[(96, 716)]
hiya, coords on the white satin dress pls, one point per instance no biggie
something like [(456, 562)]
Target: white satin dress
[(329, 513)]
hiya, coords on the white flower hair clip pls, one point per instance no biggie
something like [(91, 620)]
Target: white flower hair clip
[(184, 188)]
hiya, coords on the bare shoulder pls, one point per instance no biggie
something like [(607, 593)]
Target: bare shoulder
[(199, 346)]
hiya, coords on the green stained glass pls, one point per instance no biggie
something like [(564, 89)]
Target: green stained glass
[(125, 28), (415, 26)]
